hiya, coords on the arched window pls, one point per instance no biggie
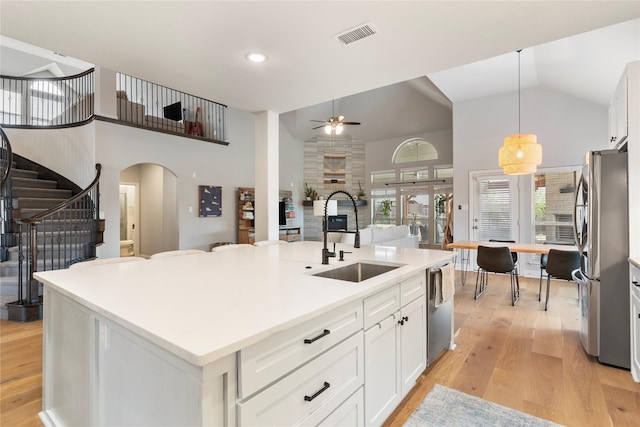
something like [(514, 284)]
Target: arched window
[(414, 150)]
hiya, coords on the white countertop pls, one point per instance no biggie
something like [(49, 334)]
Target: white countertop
[(204, 307), (635, 261)]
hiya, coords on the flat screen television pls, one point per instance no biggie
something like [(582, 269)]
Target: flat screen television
[(173, 111)]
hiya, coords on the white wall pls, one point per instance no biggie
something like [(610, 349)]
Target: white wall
[(118, 147), (566, 127), (69, 152)]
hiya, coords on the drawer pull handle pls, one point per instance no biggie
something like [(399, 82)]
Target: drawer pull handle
[(317, 393), (310, 340)]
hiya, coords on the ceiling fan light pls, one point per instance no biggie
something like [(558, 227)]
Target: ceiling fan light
[(327, 129), (339, 129)]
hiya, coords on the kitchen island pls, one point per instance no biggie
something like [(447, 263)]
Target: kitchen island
[(215, 338)]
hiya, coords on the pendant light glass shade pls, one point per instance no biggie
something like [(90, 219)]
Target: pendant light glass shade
[(520, 154)]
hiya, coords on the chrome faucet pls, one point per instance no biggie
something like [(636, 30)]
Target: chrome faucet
[(326, 254)]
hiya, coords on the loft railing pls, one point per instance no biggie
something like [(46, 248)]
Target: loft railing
[(54, 239), (147, 104), (46, 101), (53, 102), (6, 211)]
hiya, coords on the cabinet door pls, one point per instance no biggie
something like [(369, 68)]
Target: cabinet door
[(381, 370), (618, 114), (413, 339)]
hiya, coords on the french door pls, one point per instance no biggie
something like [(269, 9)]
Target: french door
[(495, 208)]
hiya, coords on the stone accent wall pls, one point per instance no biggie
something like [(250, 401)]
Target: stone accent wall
[(314, 176)]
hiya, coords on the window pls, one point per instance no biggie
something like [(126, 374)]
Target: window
[(553, 203), (382, 177), (443, 172), (495, 218), (415, 150), (414, 174), (383, 206), (10, 107), (45, 102)]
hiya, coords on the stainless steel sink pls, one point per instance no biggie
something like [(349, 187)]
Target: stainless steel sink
[(357, 272)]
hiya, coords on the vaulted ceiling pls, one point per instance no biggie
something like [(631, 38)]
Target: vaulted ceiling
[(199, 47)]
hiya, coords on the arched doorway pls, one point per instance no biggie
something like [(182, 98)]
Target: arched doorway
[(148, 210)]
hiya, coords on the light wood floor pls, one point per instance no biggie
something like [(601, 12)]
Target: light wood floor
[(521, 357)]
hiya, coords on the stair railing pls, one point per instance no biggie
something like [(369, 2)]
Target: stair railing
[(47, 102), (6, 208), (61, 236)]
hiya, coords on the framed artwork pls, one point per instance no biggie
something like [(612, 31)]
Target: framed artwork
[(210, 200)]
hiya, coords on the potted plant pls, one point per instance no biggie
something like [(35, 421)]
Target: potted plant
[(308, 191), (360, 195), (385, 207)]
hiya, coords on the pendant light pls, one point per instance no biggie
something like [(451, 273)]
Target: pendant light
[(521, 153)]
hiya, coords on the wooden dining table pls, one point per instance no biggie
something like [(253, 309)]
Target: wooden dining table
[(531, 248)]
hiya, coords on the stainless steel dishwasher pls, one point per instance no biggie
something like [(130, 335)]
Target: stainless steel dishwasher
[(439, 326)]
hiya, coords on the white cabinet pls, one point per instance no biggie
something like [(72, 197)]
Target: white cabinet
[(312, 392), (618, 115), (115, 372), (395, 346), (635, 323)]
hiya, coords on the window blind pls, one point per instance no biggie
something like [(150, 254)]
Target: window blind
[(496, 218)]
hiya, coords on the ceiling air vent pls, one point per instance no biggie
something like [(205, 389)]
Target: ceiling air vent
[(358, 33)]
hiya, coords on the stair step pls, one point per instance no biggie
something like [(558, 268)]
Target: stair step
[(37, 202), (82, 225), (31, 212), (18, 192), (23, 173), (34, 183)]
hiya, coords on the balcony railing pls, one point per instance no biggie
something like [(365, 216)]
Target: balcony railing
[(46, 102), (147, 104), (38, 102)]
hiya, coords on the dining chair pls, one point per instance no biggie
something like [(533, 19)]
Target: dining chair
[(514, 255), (560, 265), (543, 264), (496, 260), (177, 253)]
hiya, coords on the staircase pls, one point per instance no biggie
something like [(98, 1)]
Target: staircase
[(60, 239), (31, 195)]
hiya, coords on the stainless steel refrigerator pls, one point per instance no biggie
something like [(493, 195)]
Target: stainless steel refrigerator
[(602, 236)]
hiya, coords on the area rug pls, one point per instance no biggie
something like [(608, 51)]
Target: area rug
[(447, 407)]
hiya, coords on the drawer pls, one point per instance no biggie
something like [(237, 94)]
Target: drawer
[(413, 288), (350, 413), (381, 305), (315, 390), (270, 359)]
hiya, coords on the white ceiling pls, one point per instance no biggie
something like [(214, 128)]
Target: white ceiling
[(386, 81)]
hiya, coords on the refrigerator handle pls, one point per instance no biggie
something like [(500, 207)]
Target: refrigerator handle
[(575, 214)]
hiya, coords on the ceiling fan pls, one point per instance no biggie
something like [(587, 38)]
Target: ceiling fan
[(333, 125)]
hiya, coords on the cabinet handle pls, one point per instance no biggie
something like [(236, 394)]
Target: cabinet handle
[(405, 318), (401, 322), (635, 283), (310, 340), (317, 393)]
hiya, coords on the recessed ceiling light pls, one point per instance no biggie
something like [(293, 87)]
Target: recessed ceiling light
[(256, 57)]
